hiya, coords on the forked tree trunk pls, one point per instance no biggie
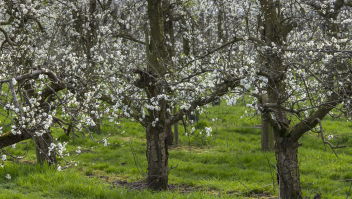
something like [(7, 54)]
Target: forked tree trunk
[(42, 144), (288, 169), (157, 155)]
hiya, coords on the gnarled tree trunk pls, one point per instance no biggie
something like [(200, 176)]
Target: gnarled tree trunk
[(288, 169)]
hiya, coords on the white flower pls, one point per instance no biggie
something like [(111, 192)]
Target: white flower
[(208, 130), (185, 106), (3, 158), (8, 176), (14, 81), (79, 150), (59, 168)]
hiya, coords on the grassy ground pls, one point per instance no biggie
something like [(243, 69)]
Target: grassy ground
[(227, 165)]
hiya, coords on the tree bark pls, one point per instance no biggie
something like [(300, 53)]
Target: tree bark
[(267, 130), (157, 155), (170, 136), (220, 31), (42, 144), (176, 128), (8, 138), (157, 152), (288, 169)]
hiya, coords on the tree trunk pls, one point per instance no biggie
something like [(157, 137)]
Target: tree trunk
[(157, 155), (288, 171), (42, 144), (220, 33), (157, 152), (176, 129), (267, 136), (96, 129), (170, 136), (267, 131)]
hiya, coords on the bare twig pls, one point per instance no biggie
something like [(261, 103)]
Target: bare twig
[(139, 167), (245, 186), (271, 173), (13, 157), (278, 175), (173, 167), (326, 142)]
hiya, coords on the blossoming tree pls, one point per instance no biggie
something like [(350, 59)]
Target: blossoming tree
[(303, 56), (128, 58)]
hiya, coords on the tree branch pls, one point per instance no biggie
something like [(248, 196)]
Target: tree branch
[(234, 40), (126, 101), (7, 38), (201, 101), (310, 122), (171, 6), (50, 74), (348, 3), (8, 138), (129, 37), (326, 142), (9, 21)]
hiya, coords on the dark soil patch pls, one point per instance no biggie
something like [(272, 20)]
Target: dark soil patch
[(87, 151), (172, 187), (28, 162), (183, 188)]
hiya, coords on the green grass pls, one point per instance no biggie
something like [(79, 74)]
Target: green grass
[(229, 162)]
